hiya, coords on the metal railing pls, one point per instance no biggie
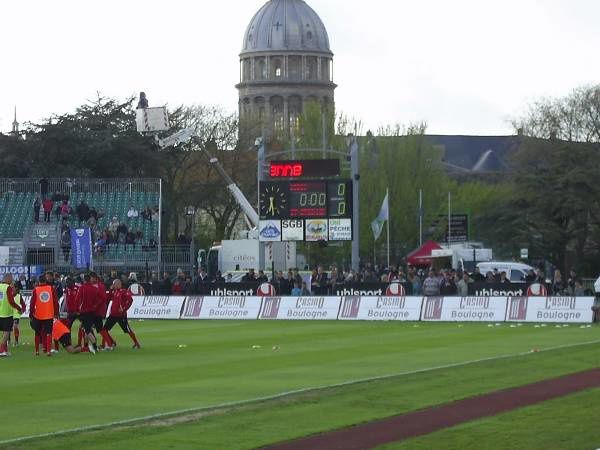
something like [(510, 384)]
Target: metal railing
[(68, 185), (173, 257)]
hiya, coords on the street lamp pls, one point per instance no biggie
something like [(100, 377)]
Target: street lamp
[(190, 212)]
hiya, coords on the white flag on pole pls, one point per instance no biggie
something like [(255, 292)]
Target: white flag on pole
[(384, 214)]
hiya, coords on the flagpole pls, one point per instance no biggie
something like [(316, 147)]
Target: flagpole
[(387, 194)]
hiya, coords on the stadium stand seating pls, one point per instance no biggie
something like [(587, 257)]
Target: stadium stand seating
[(16, 212), (112, 197)]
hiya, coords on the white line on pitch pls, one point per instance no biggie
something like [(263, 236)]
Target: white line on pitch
[(277, 396)]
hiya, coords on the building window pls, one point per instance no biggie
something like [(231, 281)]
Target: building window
[(276, 67), (294, 67), (311, 68), (260, 69)]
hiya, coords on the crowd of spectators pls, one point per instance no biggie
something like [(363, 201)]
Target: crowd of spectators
[(117, 232)]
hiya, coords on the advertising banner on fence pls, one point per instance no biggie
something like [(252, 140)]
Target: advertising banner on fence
[(16, 270), (381, 308), (222, 308), (228, 289), (300, 308), (550, 309), (464, 309), (373, 289), (507, 289), (156, 307)]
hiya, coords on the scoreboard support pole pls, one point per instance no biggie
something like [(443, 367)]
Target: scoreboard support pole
[(261, 177), (354, 166)]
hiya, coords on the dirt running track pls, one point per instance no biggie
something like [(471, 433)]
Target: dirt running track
[(398, 428)]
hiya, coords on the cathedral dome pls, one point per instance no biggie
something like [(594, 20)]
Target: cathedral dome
[(286, 26)]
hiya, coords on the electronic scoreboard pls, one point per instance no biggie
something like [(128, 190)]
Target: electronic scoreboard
[(305, 210)]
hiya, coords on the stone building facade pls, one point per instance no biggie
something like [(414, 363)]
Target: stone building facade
[(286, 62)]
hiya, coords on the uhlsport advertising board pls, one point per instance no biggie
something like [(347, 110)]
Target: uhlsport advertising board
[(300, 308), (464, 309), (156, 307), (222, 308), (381, 308), (550, 309)]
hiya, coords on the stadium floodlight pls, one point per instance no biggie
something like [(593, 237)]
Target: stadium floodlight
[(177, 138), (150, 120)]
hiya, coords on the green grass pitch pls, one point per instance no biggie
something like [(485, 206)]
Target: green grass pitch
[(188, 365)]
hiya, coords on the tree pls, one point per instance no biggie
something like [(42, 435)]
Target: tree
[(99, 140), (573, 118), (189, 177)]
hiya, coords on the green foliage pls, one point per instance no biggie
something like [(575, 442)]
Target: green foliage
[(553, 206), (313, 121), (404, 164)]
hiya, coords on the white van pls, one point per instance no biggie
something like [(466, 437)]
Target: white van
[(515, 272)]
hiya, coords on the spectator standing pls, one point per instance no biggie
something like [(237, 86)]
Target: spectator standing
[(463, 285), (135, 288), (43, 187), (448, 286), (431, 285), (83, 212), (320, 282), (477, 276), (416, 284), (558, 284), (37, 204), (47, 204), (571, 282), (166, 283), (65, 243), (65, 210)]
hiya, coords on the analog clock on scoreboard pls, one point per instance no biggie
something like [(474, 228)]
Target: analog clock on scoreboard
[(273, 201)]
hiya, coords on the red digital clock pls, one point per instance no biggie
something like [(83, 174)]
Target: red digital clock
[(305, 168)]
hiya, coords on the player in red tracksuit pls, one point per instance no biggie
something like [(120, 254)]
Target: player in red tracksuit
[(71, 305), (88, 299), (101, 309), (121, 302)]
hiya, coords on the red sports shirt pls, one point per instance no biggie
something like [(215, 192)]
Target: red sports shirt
[(121, 302)]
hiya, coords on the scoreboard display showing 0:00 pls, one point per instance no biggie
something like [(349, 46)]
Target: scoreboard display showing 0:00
[(305, 199)]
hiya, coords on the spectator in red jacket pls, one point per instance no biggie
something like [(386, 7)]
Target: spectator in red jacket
[(47, 204)]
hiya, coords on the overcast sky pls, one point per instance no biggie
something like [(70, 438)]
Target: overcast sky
[(464, 67)]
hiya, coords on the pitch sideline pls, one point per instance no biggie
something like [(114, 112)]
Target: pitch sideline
[(139, 420)]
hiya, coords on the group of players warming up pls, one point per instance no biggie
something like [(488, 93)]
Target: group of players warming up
[(86, 303)]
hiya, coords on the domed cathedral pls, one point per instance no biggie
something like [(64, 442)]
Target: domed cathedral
[(285, 63)]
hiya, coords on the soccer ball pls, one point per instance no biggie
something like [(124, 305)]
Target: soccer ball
[(537, 290), (395, 290), (265, 290)]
